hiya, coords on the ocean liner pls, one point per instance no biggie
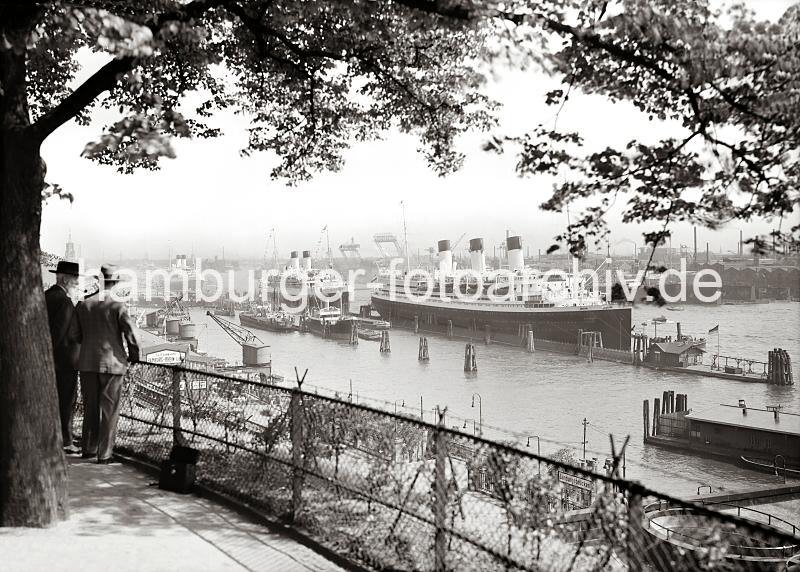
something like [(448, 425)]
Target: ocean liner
[(318, 296), (306, 288), (555, 307)]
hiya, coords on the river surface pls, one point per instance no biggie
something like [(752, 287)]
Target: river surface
[(549, 394)]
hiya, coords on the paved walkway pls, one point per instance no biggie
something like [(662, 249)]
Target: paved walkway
[(119, 522)]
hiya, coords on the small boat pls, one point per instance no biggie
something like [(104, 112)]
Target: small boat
[(660, 320), (766, 466), (371, 335), (675, 308), (373, 323)]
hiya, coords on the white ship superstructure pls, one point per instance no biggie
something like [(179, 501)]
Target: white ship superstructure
[(556, 305)]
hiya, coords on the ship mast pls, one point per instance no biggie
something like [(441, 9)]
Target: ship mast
[(328, 241), (405, 234)]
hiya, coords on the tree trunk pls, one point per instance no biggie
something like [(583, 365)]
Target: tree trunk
[(33, 478)]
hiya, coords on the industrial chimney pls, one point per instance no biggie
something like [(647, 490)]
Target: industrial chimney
[(445, 258), (476, 255), (516, 260), (293, 260), (306, 260)]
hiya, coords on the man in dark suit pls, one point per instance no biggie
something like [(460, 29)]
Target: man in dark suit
[(60, 313), (102, 325)]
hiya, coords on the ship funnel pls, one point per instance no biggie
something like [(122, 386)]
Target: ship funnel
[(306, 260), (476, 255), (445, 258), (293, 260), (516, 260)]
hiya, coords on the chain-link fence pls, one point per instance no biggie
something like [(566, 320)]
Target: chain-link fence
[(393, 492)]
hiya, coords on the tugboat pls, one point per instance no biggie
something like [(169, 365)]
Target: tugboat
[(329, 322)]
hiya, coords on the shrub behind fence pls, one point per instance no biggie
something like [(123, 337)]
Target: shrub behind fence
[(393, 492)]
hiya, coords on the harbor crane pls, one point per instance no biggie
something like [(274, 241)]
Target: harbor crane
[(174, 309), (387, 238), (457, 242), (254, 351), (351, 249)]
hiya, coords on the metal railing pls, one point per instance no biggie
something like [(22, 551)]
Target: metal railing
[(738, 545), (391, 491)]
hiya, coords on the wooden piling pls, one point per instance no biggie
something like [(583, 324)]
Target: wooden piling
[(470, 358), (449, 328), (423, 349), (663, 403), (530, 345), (385, 345), (770, 367), (656, 412), (416, 324), (487, 334), (354, 334), (646, 418)]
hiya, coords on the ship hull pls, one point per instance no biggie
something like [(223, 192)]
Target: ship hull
[(338, 329), (560, 325), (264, 323)]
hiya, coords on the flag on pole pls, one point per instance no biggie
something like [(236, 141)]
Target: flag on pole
[(714, 329)]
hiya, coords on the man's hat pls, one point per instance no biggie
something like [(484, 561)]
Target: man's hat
[(110, 273), (65, 267)]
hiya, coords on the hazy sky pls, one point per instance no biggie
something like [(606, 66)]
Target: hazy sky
[(210, 197)]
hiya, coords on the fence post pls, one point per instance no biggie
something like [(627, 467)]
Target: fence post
[(177, 435), (634, 544), (440, 496), (297, 453)]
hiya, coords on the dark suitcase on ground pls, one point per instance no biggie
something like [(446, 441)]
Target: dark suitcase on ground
[(178, 472)]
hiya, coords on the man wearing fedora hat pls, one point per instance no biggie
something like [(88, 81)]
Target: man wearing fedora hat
[(102, 325), (60, 314)]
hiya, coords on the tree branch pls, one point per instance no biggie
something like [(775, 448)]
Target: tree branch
[(107, 76), (102, 80)]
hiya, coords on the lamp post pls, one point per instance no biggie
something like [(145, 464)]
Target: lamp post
[(480, 411), (402, 404), (538, 449), (474, 426)]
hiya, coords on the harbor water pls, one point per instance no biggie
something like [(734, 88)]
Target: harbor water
[(548, 394)]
